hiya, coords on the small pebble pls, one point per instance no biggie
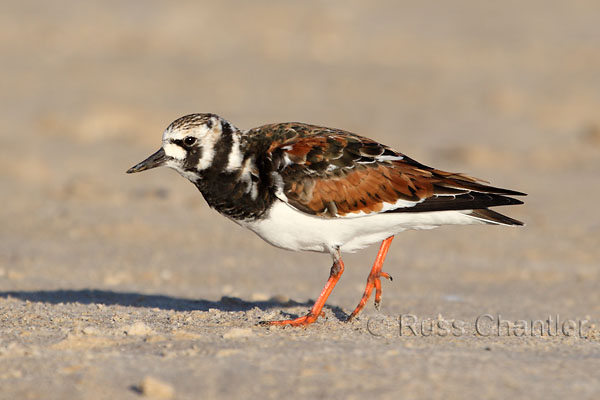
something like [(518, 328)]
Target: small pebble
[(138, 329), (155, 388), (90, 330)]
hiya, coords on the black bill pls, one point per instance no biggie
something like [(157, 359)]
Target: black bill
[(155, 160)]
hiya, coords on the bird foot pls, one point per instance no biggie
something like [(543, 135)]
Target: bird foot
[(301, 321), (373, 282), (374, 279)]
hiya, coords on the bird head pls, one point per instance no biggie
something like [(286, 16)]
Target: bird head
[(189, 145)]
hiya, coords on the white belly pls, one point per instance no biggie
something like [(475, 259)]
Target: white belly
[(290, 229)]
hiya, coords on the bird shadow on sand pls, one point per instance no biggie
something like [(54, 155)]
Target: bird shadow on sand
[(132, 299)]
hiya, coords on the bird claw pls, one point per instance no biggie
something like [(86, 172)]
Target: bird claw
[(300, 321), (373, 282)]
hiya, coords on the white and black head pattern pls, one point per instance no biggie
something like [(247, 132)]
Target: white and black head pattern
[(197, 142), (218, 159)]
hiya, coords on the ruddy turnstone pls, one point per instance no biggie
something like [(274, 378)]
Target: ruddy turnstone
[(306, 187)]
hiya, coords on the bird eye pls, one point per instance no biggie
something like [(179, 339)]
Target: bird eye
[(189, 140)]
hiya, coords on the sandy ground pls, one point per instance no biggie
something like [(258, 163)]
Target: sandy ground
[(116, 286)]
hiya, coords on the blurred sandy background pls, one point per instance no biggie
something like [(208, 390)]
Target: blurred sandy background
[(115, 286)]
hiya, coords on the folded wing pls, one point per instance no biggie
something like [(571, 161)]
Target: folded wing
[(337, 174)]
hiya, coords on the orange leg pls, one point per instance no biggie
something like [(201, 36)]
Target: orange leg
[(334, 276), (373, 281)]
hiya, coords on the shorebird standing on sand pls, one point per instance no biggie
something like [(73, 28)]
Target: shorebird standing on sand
[(305, 187)]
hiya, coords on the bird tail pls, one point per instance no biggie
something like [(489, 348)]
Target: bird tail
[(492, 217)]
